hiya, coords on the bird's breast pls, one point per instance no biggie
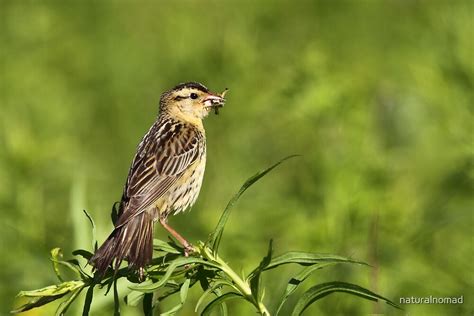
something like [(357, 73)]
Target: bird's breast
[(185, 191)]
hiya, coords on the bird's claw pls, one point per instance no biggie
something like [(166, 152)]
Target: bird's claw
[(189, 249)]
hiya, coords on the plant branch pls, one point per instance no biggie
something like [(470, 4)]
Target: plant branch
[(242, 285)]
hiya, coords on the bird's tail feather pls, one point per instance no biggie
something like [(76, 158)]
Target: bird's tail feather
[(132, 241)]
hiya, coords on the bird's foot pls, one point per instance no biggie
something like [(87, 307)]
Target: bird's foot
[(188, 249)]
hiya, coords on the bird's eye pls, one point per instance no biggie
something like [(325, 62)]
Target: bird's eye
[(193, 96)]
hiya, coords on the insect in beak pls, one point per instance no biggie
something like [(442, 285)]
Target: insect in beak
[(215, 101)]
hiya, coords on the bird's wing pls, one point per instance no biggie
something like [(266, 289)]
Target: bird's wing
[(162, 157)]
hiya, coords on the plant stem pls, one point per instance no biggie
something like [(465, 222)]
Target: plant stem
[(240, 284)]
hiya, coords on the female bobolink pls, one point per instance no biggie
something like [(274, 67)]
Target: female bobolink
[(165, 177)]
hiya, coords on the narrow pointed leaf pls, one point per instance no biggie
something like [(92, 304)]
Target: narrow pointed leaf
[(203, 297), (114, 213), (264, 263), (161, 245), (307, 258), (116, 300), (89, 217), (321, 290), (73, 265), (224, 311), (213, 289), (203, 276), (183, 293), (218, 301), (133, 298), (64, 306), (171, 291), (216, 236), (256, 276), (170, 270), (53, 290), (172, 311), (94, 239), (148, 304), (223, 305), (83, 253), (88, 301), (56, 256), (295, 281), (37, 302)]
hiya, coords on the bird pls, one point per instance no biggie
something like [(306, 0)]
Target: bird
[(164, 178)]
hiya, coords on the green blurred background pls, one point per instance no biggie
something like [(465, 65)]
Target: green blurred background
[(376, 95)]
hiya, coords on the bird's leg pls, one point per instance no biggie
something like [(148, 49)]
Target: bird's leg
[(188, 248)]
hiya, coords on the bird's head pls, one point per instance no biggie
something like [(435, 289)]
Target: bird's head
[(191, 101)]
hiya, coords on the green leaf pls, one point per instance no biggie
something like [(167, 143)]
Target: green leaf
[(48, 294), (215, 238), (299, 278), (37, 302), (203, 276), (53, 290), (223, 307), (203, 296), (172, 311), (56, 256), (88, 301), (64, 306), (114, 212), (218, 301), (213, 289), (256, 275), (73, 265), (307, 258), (116, 300), (83, 253), (148, 304), (161, 245), (133, 298), (89, 217), (183, 293), (169, 272), (321, 290), (94, 239), (172, 289)]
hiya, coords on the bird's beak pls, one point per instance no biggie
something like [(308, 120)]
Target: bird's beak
[(215, 101)]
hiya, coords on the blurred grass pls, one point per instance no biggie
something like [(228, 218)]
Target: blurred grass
[(377, 96)]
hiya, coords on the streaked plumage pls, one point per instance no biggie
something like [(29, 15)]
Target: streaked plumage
[(164, 179)]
